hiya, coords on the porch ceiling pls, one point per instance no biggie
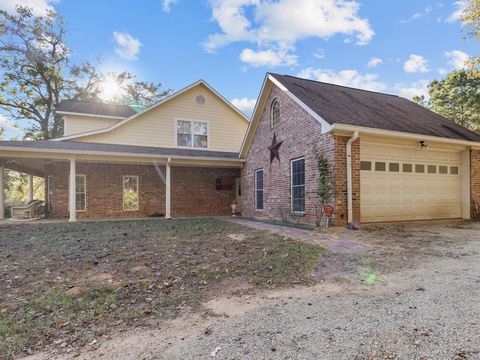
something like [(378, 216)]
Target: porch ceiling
[(35, 167)]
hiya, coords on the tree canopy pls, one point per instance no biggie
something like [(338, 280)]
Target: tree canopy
[(37, 72), (471, 18)]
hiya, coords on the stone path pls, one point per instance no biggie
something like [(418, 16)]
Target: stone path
[(335, 239)]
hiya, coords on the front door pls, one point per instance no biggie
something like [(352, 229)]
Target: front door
[(238, 193)]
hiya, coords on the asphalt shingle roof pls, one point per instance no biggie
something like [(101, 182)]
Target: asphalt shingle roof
[(113, 148), (95, 108), (344, 105)]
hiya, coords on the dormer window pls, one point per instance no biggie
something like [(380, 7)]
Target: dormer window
[(275, 112), (193, 134)]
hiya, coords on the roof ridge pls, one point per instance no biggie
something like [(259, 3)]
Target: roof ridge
[(95, 102), (342, 86)]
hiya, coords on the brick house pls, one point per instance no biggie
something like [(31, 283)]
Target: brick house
[(391, 159), (176, 158), (193, 153)]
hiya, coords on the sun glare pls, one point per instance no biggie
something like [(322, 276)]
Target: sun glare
[(110, 89)]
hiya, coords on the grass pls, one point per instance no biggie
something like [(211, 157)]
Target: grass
[(126, 273), (283, 223)]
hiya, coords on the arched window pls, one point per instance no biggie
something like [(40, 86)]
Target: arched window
[(275, 112)]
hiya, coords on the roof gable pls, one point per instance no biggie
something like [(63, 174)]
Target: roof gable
[(155, 106)]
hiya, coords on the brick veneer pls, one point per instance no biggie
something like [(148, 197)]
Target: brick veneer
[(475, 175), (302, 137), (193, 190)]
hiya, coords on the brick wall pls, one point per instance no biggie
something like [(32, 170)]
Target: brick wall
[(475, 175), (340, 176), (193, 190), (302, 137)]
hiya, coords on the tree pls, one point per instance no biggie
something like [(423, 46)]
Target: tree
[(471, 17), (457, 97), (37, 73)]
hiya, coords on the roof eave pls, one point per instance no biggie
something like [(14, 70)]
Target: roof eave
[(403, 135)]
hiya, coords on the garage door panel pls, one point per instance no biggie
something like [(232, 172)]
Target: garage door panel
[(400, 195)]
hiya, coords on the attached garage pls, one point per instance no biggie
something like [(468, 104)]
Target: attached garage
[(399, 182)]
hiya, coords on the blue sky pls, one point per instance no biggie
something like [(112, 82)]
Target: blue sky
[(384, 45)]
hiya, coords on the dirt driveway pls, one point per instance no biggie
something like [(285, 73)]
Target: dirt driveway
[(412, 292)]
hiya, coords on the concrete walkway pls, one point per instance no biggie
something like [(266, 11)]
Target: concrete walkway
[(335, 239)]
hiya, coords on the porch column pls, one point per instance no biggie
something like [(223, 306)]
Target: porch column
[(30, 188), (2, 192), (72, 206), (167, 191)]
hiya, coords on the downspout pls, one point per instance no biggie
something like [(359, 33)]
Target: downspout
[(349, 177)]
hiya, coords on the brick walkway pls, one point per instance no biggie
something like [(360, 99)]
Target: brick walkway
[(335, 240)]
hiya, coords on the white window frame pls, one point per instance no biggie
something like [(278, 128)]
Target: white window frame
[(192, 134), (123, 192), (256, 189), (84, 193), (291, 186), (276, 100)]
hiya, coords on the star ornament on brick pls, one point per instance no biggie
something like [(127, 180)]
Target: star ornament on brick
[(274, 148)]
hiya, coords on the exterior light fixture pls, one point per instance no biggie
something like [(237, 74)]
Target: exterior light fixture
[(423, 146)]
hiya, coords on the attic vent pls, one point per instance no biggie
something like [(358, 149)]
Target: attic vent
[(200, 100)]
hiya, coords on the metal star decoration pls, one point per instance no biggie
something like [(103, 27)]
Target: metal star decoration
[(274, 148)]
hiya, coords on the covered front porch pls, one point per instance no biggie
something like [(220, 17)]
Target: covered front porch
[(113, 183)]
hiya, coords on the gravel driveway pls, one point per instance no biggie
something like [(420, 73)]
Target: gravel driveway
[(412, 293)]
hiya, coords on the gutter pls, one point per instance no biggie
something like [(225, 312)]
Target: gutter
[(349, 177)]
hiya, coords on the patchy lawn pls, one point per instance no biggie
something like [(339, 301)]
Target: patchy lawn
[(69, 284)]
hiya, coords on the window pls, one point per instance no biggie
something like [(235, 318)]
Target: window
[(81, 192), (454, 170), (432, 169), (275, 112), (259, 189), (130, 193), (192, 134), (365, 165), (298, 185), (49, 192), (443, 169), (394, 167), (419, 168), (407, 168), (380, 166)]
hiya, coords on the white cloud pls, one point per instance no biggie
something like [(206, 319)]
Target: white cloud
[(416, 64), (350, 78), (245, 105), (374, 62), (319, 54), (269, 58), (456, 58), (167, 5), (39, 7), (127, 47), (410, 90), (418, 15), (458, 13), (280, 24), (6, 124), (442, 71)]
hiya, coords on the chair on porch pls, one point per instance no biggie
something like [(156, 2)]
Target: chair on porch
[(35, 209)]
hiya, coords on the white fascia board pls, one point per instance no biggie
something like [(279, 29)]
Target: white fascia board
[(324, 124), (399, 134), (91, 115), (168, 98)]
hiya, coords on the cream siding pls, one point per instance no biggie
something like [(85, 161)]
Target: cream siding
[(76, 124), (157, 127)]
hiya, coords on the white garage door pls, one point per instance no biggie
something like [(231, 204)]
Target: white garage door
[(400, 183)]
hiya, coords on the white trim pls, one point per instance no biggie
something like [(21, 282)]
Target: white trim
[(191, 134), (168, 98), (349, 177), (256, 189), (291, 185), (123, 192), (324, 124), (117, 154), (85, 192), (168, 190), (91, 115), (399, 134)]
